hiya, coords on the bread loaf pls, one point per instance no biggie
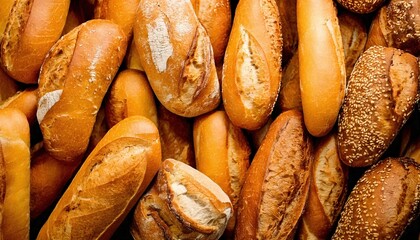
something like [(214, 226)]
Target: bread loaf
[(26, 101), (108, 184), (383, 202), (130, 94), (252, 67), (276, 186), (15, 142), (327, 191), (177, 56), (83, 64), (228, 165), (361, 6), (33, 27), (381, 94), (322, 71), (182, 204)]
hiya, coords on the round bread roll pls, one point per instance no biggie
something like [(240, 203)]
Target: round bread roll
[(322, 71), (228, 165), (33, 27), (73, 81), (383, 202), (397, 25), (252, 65), (177, 56), (277, 182), (26, 101), (108, 184), (130, 94), (381, 94), (183, 203), (15, 143), (361, 6)]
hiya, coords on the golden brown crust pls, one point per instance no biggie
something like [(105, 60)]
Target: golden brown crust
[(252, 64), (8, 86), (321, 85), (290, 96), (383, 202), (108, 184), (33, 27), (26, 101), (176, 54), (361, 6), (277, 183), (64, 76), (287, 11), (382, 92), (182, 204), (130, 94)]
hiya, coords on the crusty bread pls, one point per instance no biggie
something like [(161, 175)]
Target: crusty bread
[(381, 94), (177, 56), (26, 101), (82, 63), (383, 202), (361, 6), (33, 27), (130, 94), (77, 15), (252, 65), (287, 11), (228, 165), (108, 184), (183, 203), (290, 96), (322, 71), (132, 58), (327, 191), (276, 186), (15, 142)]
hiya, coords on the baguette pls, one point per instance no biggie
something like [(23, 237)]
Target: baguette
[(177, 56), (252, 65), (108, 184), (15, 142), (33, 27), (322, 71), (83, 64), (277, 182)]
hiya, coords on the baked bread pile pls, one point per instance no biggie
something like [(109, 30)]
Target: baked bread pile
[(199, 119)]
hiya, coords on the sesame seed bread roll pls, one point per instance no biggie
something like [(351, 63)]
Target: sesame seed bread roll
[(228, 165), (33, 27), (327, 191), (322, 70), (252, 64), (108, 184), (176, 136), (130, 94), (381, 94), (15, 142), (383, 202), (183, 203), (361, 6), (397, 25), (26, 101), (216, 17), (276, 186), (82, 63), (177, 56)]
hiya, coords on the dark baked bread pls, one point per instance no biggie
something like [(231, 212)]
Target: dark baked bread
[(361, 6)]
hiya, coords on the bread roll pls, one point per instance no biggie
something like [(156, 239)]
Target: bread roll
[(322, 70), (361, 6), (228, 165), (287, 11), (290, 96), (397, 25), (257, 136), (77, 15), (276, 186), (121, 12), (15, 142), (381, 94), (130, 95), (383, 202), (99, 130), (183, 203), (33, 27), (6, 8), (83, 64), (132, 58), (216, 17), (252, 67), (26, 101), (327, 192), (176, 54), (176, 136), (108, 184)]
